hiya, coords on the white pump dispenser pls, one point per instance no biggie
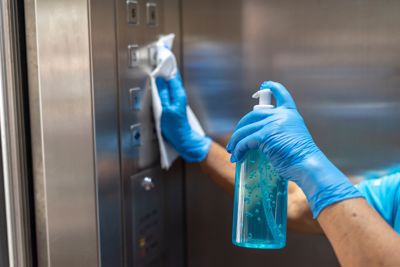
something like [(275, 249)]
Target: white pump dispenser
[(265, 96)]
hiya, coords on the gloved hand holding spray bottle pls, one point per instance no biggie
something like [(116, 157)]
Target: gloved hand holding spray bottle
[(260, 207), (270, 147)]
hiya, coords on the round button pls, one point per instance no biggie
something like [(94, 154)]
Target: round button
[(147, 183)]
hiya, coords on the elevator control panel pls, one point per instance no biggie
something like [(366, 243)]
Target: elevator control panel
[(147, 218), (139, 24)]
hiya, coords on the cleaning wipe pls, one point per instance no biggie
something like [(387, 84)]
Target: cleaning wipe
[(167, 68)]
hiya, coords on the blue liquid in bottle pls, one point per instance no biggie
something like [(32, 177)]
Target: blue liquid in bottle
[(260, 209)]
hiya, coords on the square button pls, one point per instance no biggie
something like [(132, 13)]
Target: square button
[(133, 55), (152, 14), (135, 98), (135, 135), (132, 12), (152, 54)]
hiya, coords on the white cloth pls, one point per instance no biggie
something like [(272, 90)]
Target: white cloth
[(167, 68)]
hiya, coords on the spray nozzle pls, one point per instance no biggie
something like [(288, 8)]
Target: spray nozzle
[(264, 95)]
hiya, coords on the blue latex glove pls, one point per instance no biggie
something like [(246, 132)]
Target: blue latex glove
[(280, 133), (175, 126)]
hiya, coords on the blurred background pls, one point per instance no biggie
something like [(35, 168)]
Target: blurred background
[(81, 179)]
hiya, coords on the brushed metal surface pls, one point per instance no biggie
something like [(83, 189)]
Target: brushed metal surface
[(138, 147), (341, 62), (14, 143), (83, 119), (4, 258), (135, 157), (106, 127), (62, 107)]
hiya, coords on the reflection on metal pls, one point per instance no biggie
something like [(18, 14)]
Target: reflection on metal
[(13, 140), (105, 109), (62, 133), (340, 60)]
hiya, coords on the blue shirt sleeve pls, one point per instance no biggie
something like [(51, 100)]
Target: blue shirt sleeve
[(383, 195)]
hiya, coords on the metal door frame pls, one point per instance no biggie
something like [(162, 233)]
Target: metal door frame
[(14, 139)]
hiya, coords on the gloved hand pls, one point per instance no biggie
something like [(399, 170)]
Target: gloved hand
[(280, 133), (175, 126)]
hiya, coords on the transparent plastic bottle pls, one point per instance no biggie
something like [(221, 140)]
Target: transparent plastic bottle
[(260, 207)]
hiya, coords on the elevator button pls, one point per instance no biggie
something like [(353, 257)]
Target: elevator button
[(135, 135), (135, 98), (147, 183), (152, 14), (132, 12), (152, 55), (133, 54)]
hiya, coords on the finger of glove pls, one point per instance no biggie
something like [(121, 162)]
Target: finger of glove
[(248, 143), (163, 92), (254, 116), (241, 133), (177, 92), (281, 94), (262, 127)]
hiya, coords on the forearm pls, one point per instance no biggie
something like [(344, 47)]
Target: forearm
[(359, 236), (300, 218), (218, 166)]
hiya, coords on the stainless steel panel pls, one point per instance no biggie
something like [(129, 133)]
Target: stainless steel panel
[(155, 221), (147, 221), (61, 86), (4, 259), (17, 243), (92, 129), (130, 39), (105, 109), (340, 60), (139, 147)]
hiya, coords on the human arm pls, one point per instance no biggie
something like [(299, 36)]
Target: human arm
[(219, 168), (359, 236), (281, 134), (213, 158)]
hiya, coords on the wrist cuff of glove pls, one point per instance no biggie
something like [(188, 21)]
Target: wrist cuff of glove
[(323, 183), (331, 196), (198, 151)]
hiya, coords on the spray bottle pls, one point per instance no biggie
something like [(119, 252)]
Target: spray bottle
[(260, 208)]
